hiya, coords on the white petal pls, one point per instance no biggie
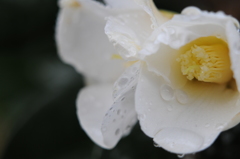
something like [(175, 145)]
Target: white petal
[(149, 7), (234, 46), (128, 80), (126, 4), (122, 116), (184, 120), (128, 32), (120, 119), (92, 104), (164, 64), (82, 42)]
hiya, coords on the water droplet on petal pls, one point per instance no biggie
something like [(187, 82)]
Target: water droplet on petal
[(117, 131), (182, 97), (155, 144), (118, 112), (167, 92), (220, 126), (179, 140), (181, 155), (141, 116), (207, 125)]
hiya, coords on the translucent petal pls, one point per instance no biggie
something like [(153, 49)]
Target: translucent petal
[(128, 80), (120, 119), (184, 120), (149, 7), (126, 4), (81, 40), (122, 116), (92, 104), (128, 32)]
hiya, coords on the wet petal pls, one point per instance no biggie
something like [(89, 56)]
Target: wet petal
[(127, 81), (128, 32), (92, 104), (126, 4), (184, 120), (150, 8), (120, 119), (82, 42), (122, 116)]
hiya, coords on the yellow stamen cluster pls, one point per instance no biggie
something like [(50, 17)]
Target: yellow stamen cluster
[(206, 59)]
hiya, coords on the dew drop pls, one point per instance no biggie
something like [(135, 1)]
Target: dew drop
[(219, 126), (181, 155), (155, 144), (207, 125), (141, 116), (182, 97), (117, 131), (118, 112), (166, 92), (122, 82)]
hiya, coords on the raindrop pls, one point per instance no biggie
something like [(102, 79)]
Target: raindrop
[(182, 97), (181, 155), (155, 144), (141, 116), (118, 112), (219, 126), (117, 131), (123, 99), (207, 125), (166, 92)]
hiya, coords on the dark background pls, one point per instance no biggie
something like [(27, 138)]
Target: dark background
[(38, 91)]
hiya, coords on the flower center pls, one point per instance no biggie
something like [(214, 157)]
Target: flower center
[(206, 59)]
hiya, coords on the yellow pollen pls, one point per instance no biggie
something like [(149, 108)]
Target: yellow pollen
[(74, 3), (116, 57), (206, 59)]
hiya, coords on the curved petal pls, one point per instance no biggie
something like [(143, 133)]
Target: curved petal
[(164, 64), (120, 119), (127, 81), (125, 4), (128, 32), (234, 47), (93, 102), (122, 116), (156, 17), (82, 42), (184, 120), (182, 29)]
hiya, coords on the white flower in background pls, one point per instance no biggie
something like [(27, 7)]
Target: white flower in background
[(182, 77)]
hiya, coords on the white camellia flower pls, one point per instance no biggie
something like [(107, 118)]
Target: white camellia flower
[(182, 75)]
